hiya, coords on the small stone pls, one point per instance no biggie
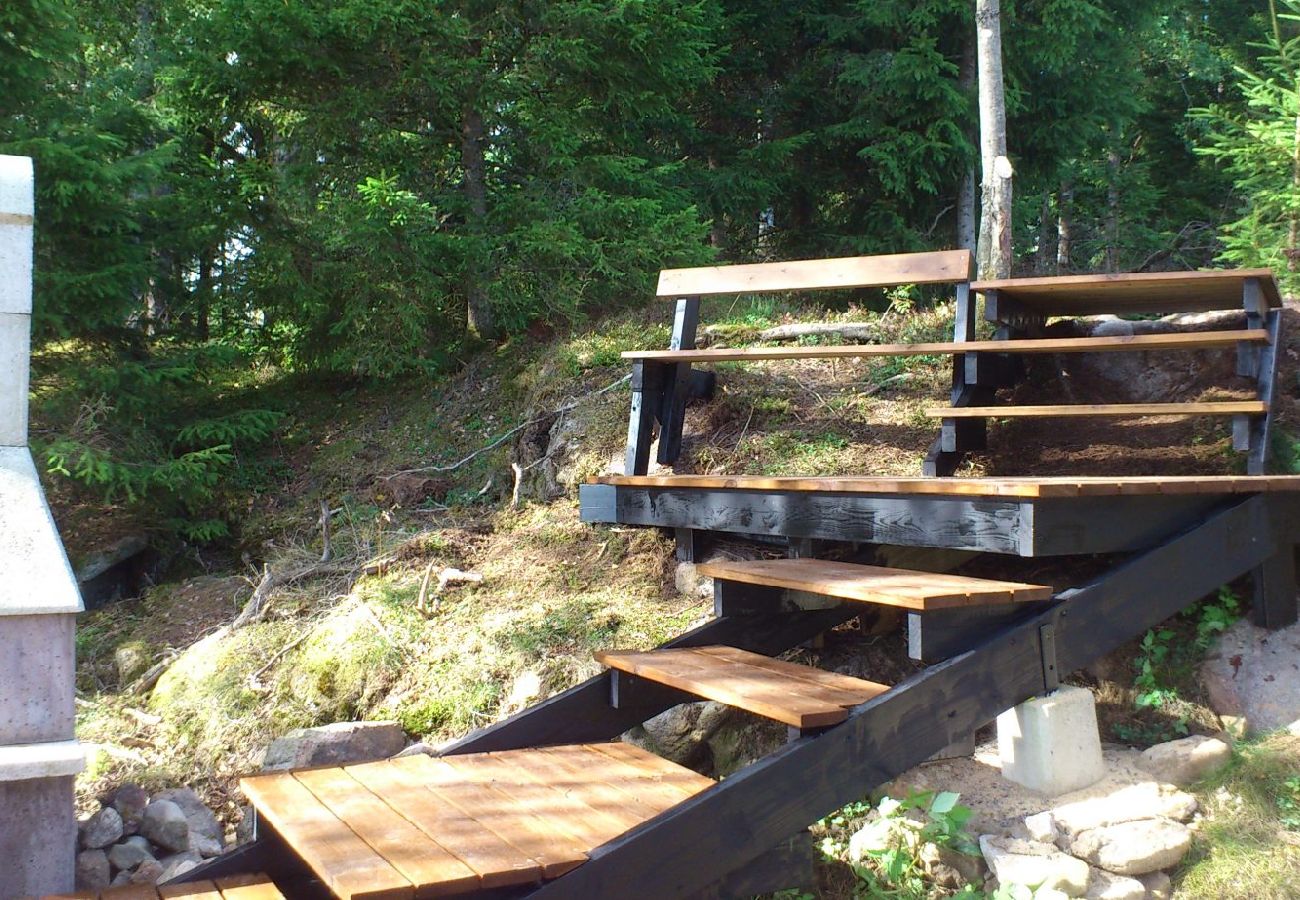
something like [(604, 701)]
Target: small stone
[(205, 845), (202, 820), (341, 742), (121, 879), (1144, 800), (1105, 886), (1134, 848), (1158, 884), (1041, 827), (149, 872), (1186, 760), (178, 864), (244, 829), (165, 824), (101, 829), (130, 800), (949, 868), (1034, 865), (132, 660), (130, 853), (92, 870)]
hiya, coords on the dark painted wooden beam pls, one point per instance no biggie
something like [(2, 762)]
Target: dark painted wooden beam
[(1062, 526), (936, 635), (647, 397), (1259, 444), (725, 827)]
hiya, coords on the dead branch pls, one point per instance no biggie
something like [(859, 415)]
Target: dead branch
[(324, 522), (497, 442), (852, 331), (255, 608), (445, 577), (519, 478)]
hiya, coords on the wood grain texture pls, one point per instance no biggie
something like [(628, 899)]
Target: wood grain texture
[(811, 700), (1057, 486), (938, 267), (1198, 340), (246, 887), (343, 861), (202, 890), (1211, 408), (875, 584), (1144, 292)]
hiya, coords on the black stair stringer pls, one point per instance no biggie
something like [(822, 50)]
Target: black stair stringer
[(725, 827)]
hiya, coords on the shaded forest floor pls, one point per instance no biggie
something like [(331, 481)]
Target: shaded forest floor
[(350, 639)]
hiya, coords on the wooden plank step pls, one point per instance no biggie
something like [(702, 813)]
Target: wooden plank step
[(1200, 340), (253, 886), (799, 696), (424, 827), (1145, 292), (876, 584), (1055, 486), (1208, 408)]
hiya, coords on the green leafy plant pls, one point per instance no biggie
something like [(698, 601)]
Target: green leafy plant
[(1288, 803)]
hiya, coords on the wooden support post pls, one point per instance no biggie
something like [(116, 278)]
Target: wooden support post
[(936, 635), (678, 381), (806, 548), (647, 396), (1273, 602), (692, 544), (630, 693), (1266, 384), (1252, 299), (957, 436), (735, 598)]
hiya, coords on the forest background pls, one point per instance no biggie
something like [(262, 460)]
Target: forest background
[(233, 192)]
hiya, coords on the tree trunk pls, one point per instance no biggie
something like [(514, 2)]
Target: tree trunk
[(966, 187), (1045, 258), (1064, 225), (478, 317), (1293, 225), (995, 213), (1112, 207)]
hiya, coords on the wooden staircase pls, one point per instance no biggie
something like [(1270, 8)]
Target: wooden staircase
[(549, 804)]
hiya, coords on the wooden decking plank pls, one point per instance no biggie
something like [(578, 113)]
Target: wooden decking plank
[(853, 690), (613, 782), (554, 848), (804, 681), (876, 584), (763, 693), (1020, 487), (198, 890), (497, 862), (1134, 292), (1188, 340), (130, 892), (640, 766), (431, 869), (248, 887), (1209, 408), (510, 772), (343, 861)]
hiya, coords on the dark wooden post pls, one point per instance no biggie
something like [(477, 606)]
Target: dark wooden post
[(1274, 603), (647, 395), (971, 385), (678, 381)]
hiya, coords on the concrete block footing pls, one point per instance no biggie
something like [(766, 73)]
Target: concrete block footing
[(1050, 744), (38, 837)]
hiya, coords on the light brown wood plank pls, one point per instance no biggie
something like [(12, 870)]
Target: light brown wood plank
[(845, 688), (1028, 488), (497, 862), (343, 861), (248, 887), (1145, 292), (610, 781), (762, 693), (1198, 340), (130, 892), (642, 766), (1212, 408), (431, 869), (198, 890), (937, 267), (875, 584), (555, 849)]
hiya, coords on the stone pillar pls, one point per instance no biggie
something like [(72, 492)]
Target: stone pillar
[(39, 600)]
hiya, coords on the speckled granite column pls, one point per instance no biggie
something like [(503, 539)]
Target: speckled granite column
[(39, 600)]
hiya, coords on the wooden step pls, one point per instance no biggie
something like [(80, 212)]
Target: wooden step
[(1209, 408), (875, 584), (421, 826), (799, 696), (1144, 292), (1200, 340), (229, 887)]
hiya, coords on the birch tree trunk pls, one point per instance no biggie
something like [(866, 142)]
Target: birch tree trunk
[(994, 251), (1064, 226)]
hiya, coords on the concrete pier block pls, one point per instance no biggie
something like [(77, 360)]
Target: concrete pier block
[(38, 837), (16, 215), (38, 670), (15, 351), (1050, 744)]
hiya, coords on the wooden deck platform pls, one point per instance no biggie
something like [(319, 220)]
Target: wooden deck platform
[(425, 827), (1114, 410), (1142, 292), (800, 696), (231, 887), (875, 584)]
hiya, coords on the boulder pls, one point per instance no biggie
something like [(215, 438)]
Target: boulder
[(132, 660), (1187, 760), (130, 853), (92, 871), (148, 872), (1251, 673), (1034, 865), (130, 800), (1134, 848), (681, 734), (101, 829), (178, 864), (1106, 886), (165, 824), (1158, 884), (1145, 800), (206, 834), (332, 745)]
